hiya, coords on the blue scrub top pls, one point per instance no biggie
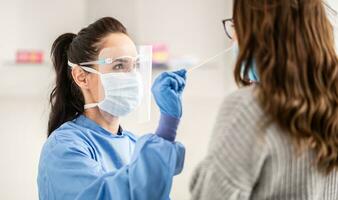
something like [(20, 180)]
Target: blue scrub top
[(81, 160)]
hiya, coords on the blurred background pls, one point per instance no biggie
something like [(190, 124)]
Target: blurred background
[(182, 32)]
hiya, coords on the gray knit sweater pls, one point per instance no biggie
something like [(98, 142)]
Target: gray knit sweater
[(248, 162)]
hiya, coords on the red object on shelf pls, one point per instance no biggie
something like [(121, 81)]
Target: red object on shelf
[(29, 57)]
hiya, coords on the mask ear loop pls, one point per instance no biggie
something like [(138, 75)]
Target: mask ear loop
[(90, 105)]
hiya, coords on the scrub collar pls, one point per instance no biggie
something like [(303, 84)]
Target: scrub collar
[(90, 124)]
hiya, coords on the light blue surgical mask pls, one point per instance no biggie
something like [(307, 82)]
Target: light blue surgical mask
[(123, 93), (253, 76)]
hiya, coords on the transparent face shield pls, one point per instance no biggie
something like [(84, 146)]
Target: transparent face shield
[(124, 82)]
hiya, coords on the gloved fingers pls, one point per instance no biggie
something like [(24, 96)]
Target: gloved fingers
[(179, 79), (162, 79), (182, 73), (162, 76), (171, 82), (157, 83)]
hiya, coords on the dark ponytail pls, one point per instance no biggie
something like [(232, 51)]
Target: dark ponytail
[(66, 99)]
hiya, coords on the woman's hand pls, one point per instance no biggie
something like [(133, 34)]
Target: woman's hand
[(167, 90)]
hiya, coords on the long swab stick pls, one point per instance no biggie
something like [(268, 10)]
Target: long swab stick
[(209, 59)]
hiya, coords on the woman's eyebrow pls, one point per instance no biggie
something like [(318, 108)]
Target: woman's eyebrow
[(120, 60)]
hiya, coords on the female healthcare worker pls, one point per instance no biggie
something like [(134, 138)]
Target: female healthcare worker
[(87, 154), (277, 139)]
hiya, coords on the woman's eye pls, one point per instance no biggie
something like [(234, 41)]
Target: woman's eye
[(118, 67)]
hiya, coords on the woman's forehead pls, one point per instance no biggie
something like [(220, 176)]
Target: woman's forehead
[(117, 52), (117, 44)]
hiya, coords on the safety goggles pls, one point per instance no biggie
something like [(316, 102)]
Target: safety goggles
[(121, 64)]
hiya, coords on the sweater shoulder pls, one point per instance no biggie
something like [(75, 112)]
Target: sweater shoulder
[(242, 104), (244, 95)]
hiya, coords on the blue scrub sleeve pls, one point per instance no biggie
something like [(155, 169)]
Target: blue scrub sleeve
[(75, 175), (167, 127)]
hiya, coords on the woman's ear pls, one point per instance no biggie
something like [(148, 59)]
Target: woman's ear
[(80, 77)]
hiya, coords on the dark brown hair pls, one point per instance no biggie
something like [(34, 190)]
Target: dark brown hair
[(66, 99), (292, 43)]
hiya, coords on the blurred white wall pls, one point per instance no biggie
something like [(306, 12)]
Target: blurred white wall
[(34, 24), (123, 10), (191, 27), (28, 24)]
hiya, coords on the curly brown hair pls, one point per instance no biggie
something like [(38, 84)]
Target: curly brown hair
[(292, 44)]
